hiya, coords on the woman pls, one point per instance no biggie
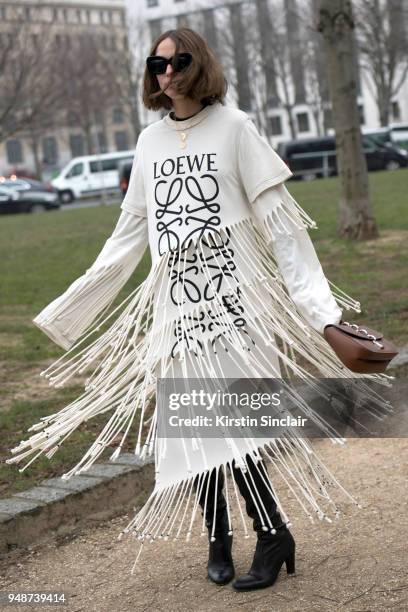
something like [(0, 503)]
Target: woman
[(206, 193)]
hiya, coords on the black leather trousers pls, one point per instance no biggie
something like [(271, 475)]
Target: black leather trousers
[(245, 486)]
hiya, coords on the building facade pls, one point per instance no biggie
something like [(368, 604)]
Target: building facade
[(231, 26), (263, 51), (64, 137)]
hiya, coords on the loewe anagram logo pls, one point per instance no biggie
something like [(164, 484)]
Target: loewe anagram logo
[(213, 264)]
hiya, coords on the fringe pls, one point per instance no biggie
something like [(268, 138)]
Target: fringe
[(85, 295), (140, 344), (299, 467)]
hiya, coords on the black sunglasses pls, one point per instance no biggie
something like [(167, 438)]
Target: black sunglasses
[(158, 65)]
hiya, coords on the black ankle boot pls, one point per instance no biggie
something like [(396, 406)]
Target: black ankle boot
[(220, 564), (272, 550)]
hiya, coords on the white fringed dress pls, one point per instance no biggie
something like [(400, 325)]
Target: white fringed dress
[(235, 290)]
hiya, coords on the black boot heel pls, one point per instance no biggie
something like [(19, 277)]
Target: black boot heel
[(271, 552), (290, 563)]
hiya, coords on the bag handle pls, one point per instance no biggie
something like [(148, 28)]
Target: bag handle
[(362, 333)]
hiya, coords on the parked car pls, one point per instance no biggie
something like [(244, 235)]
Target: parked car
[(27, 195), (90, 175), (395, 134), (396, 137), (20, 173), (315, 157), (125, 168), (399, 134)]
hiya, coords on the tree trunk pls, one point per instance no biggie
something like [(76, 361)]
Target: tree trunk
[(265, 30), (34, 142), (241, 57), (292, 126), (356, 220)]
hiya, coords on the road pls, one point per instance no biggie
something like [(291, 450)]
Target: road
[(356, 563), (91, 202)]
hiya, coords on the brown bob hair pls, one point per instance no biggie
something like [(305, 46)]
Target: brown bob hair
[(203, 80)]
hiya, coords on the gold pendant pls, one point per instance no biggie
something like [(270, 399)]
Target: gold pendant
[(183, 137)]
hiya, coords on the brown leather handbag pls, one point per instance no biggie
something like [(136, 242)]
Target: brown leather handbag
[(360, 348)]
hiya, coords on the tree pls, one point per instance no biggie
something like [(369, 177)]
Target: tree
[(317, 88), (88, 92), (124, 66), (28, 96), (272, 63), (336, 24), (383, 47)]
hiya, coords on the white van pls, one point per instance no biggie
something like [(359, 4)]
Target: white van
[(90, 175)]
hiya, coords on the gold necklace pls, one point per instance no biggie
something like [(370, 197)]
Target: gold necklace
[(183, 134), (183, 138), (194, 120)]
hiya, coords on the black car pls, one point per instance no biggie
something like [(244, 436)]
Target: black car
[(124, 168), (26, 195), (313, 157)]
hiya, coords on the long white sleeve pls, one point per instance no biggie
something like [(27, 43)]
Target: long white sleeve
[(284, 225), (67, 317)]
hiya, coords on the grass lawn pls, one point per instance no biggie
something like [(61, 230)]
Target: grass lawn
[(42, 254)]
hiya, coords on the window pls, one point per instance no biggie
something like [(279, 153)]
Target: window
[(27, 13), (368, 145), (95, 167), (76, 144), (118, 115), (151, 3), (276, 125), (361, 113), (50, 150), (121, 141), (113, 43), (14, 151), (101, 140), (396, 111), (109, 165), (65, 15), (298, 148), (76, 170), (155, 27), (103, 165), (303, 122)]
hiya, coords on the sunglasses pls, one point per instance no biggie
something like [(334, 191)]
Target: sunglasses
[(158, 65)]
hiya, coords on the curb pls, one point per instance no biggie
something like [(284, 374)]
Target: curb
[(58, 507)]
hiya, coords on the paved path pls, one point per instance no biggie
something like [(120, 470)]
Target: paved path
[(357, 563)]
